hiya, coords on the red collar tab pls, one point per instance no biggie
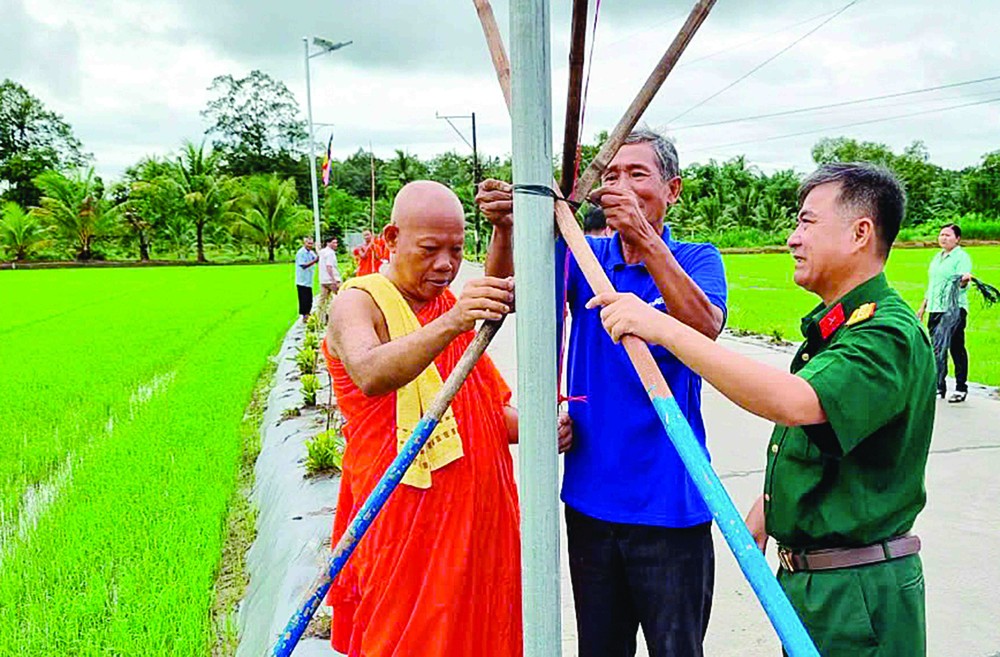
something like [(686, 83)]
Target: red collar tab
[(832, 321)]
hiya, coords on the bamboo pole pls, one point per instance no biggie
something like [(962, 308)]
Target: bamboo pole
[(652, 85), (371, 160), (491, 31), (571, 126), (534, 270), (772, 598)]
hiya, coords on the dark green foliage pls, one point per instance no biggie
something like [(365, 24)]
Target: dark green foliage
[(32, 141), (256, 128)]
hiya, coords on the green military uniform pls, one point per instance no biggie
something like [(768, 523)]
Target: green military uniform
[(857, 479)]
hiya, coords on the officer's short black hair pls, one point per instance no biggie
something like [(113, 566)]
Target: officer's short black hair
[(594, 219), (865, 190), (955, 228)]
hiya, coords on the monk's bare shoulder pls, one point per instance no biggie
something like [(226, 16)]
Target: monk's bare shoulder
[(356, 322)]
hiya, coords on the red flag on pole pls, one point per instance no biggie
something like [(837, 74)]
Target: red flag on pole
[(327, 161)]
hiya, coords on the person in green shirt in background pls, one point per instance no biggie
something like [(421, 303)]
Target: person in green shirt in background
[(853, 420), (948, 265)]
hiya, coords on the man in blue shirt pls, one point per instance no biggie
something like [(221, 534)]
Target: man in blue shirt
[(305, 263), (640, 542)]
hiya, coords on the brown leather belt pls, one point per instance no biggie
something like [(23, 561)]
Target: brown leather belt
[(894, 548)]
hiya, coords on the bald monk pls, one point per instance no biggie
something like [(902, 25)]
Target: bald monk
[(438, 573)]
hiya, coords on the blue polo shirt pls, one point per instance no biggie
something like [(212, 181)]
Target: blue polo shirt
[(622, 467)]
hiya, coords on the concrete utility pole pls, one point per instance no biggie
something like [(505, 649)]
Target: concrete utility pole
[(325, 47), (534, 266)]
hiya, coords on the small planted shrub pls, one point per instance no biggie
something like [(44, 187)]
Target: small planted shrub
[(314, 324), (311, 341), (310, 386), (324, 453), (306, 360)]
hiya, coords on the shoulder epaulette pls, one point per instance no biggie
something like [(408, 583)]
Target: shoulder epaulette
[(861, 313)]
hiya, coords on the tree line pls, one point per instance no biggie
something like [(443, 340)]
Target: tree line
[(242, 191)]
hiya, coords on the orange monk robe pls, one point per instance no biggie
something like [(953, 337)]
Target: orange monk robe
[(372, 261), (438, 573)]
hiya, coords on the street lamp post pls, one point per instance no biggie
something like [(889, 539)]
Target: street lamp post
[(475, 163), (325, 47)]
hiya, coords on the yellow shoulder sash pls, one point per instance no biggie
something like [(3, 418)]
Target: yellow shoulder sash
[(412, 400)]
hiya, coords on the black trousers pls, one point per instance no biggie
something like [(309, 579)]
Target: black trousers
[(305, 299), (627, 576), (958, 353)]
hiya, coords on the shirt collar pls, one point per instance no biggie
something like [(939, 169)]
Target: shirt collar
[(616, 257), (871, 290)]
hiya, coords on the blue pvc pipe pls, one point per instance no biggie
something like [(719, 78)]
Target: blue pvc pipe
[(765, 585), (345, 547)]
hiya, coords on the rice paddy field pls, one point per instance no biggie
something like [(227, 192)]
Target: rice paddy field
[(121, 402), (763, 298)]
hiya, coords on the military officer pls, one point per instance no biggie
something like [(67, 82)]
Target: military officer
[(853, 420)]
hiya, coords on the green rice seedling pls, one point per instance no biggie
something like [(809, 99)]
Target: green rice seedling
[(324, 453)]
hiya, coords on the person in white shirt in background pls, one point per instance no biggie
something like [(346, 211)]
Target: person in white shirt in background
[(329, 273)]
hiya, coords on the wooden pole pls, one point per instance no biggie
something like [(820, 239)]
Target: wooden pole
[(499, 55), (534, 267), (779, 610), (571, 126), (653, 83), (371, 160)]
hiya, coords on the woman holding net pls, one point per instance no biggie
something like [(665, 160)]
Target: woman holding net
[(947, 305)]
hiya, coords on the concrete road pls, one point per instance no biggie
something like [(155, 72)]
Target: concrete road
[(960, 526)]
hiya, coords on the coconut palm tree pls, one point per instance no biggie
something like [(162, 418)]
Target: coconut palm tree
[(75, 207), (403, 168), (146, 198), (207, 197), (269, 212), (21, 234)]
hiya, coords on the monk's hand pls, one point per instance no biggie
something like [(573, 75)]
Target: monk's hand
[(627, 314), (755, 523), (487, 298), (495, 199), (624, 214), (565, 432)]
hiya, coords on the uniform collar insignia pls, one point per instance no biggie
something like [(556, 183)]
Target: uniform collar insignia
[(831, 321)]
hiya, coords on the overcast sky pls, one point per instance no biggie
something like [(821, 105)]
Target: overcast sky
[(131, 77)]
